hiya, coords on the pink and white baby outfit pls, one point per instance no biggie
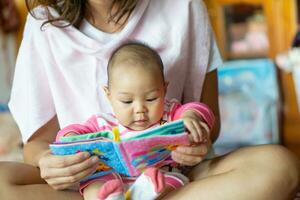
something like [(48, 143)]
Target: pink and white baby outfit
[(114, 183)]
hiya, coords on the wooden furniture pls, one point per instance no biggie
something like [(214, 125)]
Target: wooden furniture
[(281, 22), (280, 17), (21, 6)]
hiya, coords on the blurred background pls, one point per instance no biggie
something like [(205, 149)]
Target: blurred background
[(259, 82)]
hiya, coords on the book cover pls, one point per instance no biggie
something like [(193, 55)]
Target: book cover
[(129, 154)]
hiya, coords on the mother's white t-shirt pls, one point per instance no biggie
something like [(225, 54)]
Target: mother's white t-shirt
[(61, 71)]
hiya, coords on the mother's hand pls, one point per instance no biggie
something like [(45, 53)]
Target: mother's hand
[(62, 172), (191, 155)]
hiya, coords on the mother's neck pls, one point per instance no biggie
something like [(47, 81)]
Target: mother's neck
[(99, 13)]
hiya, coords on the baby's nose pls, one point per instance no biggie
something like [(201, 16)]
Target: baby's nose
[(140, 108)]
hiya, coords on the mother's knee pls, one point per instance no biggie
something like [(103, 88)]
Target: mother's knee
[(277, 157), (277, 164), (7, 172), (6, 185), (14, 175)]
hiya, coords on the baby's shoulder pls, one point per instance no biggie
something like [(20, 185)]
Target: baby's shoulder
[(105, 118), (170, 104)]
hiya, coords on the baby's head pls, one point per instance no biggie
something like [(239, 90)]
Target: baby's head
[(136, 86)]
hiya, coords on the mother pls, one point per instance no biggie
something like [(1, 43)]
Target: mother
[(61, 68)]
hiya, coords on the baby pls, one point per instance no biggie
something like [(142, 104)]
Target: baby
[(136, 90)]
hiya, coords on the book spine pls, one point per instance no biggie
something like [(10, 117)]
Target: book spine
[(122, 159)]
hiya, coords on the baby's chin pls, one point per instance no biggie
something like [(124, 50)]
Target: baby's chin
[(139, 127)]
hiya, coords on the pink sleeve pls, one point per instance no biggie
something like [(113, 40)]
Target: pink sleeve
[(89, 126), (202, 109)]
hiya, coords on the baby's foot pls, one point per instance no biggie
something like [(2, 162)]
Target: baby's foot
[(147, 186), (175, 180)]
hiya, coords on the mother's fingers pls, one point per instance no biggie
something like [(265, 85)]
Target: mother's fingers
[(57, 161), (186, 159), (196, 150), (190, 155), (67, 181), (70, 170)]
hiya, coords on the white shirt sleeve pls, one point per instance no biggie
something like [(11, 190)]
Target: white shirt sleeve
[(215, 59), (203, 54), (31, 101)]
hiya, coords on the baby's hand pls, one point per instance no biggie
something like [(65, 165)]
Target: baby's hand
[(195, 126)]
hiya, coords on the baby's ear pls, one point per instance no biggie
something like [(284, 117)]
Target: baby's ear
[(166, 86), (106, 90)]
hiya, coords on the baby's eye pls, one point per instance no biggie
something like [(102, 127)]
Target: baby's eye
[(126, 102), (151, 99)]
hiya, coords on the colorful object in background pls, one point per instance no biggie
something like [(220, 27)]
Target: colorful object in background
[(9, 17), (7, 62), (130, 154), (296, 41), (3, 108), (249, 104), (249, 36), (9, 24), (289, 62)]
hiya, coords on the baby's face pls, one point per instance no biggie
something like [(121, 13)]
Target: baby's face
[(137, 96)]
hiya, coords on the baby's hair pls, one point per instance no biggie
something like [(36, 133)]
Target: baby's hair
[(137, 52)]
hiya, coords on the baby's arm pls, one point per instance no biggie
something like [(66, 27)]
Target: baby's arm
[(89, 126)]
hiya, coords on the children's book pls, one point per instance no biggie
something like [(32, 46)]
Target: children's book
[(128, 154)]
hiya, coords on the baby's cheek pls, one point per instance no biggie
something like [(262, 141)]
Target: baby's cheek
[(124, 118)]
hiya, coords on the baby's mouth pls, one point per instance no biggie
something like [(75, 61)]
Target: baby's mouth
[(140, 122)]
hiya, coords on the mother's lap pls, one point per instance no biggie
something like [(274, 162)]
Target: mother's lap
[(262, 157), (270, 170)]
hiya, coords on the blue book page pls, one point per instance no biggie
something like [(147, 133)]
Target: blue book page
[(105, 150)]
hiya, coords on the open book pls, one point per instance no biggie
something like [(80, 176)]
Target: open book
[(129, 154)]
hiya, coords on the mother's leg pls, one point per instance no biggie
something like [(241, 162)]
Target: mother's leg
[(260, 173), (22, 181)]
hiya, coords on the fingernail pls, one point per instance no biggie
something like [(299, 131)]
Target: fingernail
[(95, 159), (95, 168), (86, 154)]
